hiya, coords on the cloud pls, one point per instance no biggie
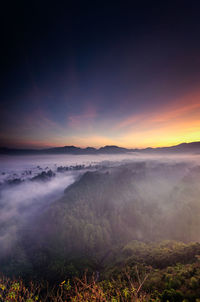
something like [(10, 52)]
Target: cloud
[(35, 129), (175, 122), (19, 204), (176, 109), (86, 118)]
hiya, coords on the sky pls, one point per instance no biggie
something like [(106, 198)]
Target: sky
[(95, 73)]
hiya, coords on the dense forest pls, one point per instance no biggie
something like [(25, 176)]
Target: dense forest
[(119, 233)]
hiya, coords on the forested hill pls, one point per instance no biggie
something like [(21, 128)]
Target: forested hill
[(138, 201), (107, 209)]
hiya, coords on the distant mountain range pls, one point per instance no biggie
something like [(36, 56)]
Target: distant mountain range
[(181, 148)]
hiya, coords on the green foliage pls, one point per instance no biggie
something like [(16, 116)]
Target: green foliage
[(171, 295), (124, 281), (15, 290)]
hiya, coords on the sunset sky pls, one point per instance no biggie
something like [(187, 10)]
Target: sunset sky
[(95, 73)]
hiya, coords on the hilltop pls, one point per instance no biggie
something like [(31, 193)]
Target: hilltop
[(193, 147)]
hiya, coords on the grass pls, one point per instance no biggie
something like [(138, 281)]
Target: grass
[(77, 290)]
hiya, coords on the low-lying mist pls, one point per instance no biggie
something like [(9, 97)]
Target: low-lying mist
[(63, 207), (20, 203)]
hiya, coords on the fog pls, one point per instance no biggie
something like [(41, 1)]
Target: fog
[(20, 203), (30, 184)]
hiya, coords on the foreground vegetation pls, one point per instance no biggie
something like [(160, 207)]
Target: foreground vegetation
[(78, 290), (166, 271)]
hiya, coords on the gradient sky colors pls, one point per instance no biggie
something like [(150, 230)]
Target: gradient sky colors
[(93, 73)]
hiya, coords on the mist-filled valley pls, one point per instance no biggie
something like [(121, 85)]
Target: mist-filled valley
[(63, 215)]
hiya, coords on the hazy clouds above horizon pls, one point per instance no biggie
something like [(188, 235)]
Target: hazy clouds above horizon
[(98, 73)]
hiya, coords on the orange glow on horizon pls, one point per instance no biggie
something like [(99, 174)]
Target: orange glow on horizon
[(176, 122)]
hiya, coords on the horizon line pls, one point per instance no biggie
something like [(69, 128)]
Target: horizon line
[(96, 148)]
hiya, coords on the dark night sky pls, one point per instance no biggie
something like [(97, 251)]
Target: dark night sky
[(96, 73)]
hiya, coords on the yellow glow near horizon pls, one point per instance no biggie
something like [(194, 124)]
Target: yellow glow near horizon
[(172, 124)]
